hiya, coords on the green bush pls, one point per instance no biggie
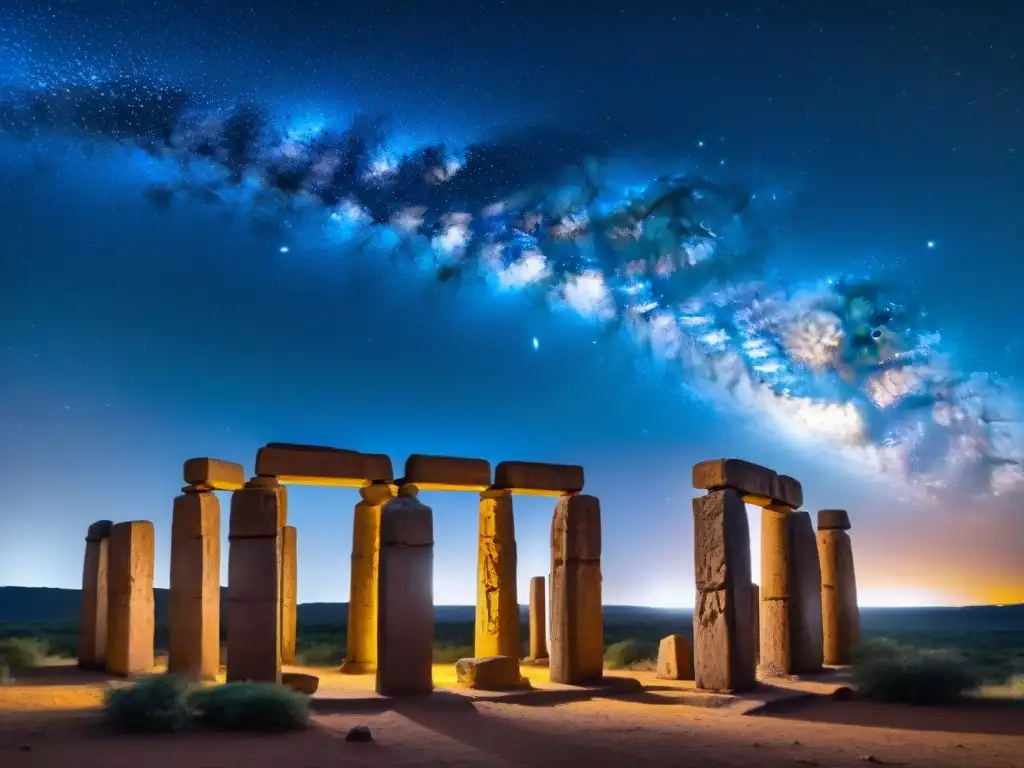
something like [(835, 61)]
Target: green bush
[(895, 673), (630, 653), (250, 707), (157, 704), (18, 653), (321, 655)]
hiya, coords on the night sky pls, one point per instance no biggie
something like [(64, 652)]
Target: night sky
[(146, 320)]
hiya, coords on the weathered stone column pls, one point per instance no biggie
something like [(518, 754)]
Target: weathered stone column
[(775, 652), (755, 618), (361, 643), (289, 593), (258, 513), (497, 604), (92, 621), (194, 616), (130, 612), (840, 614), (538, 619), (723, 625), (805, 622), (577, 632), (405, 596)]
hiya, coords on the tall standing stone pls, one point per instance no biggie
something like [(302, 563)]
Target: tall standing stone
[(723, 633), (405, 597), (775, 636), (538, 619), (289, 593), (130, 610), (92, 622), (194, 651), (258, 513), (497, 605), (361, 650), (805, 621), (840, 614), (577, 634)]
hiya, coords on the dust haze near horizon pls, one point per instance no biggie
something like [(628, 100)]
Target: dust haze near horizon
[(143, 332)]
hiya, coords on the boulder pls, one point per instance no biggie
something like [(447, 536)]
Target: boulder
[(300, 683), (492, 673), (675, 659)]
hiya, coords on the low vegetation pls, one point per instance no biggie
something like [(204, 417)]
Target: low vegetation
[(250, 707), (165, 704), (631, 654), (157, 704), (885, 670), (20, 653)]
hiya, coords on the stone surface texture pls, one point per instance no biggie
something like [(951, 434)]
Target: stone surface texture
[(194, 649), (491, 673), (317, 465), (130, 608), (577, 634), (538, 479), (833, 519), (538, 619), (92, 620), (497, 602), (723, 636), (775, 637), (744, 477), (361, 650), (258, 514), (447, 473), (289, 593), (840, 613), (214, 474), (405, 599), (805, 617), (675, 659), (790, 492)]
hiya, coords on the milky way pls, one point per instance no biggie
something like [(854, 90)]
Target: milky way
[(845, 362)]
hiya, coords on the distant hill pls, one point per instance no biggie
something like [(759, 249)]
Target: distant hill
[(45, 605)]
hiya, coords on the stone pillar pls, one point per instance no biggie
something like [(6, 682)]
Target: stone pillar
[(538, 619), (92, 621), (577, 633), (497, 604), (361, 642), (289, 593), (723, 632), (805, 622), (840, 614), (755, 618), (258, 513), (405, 597), (194, 651), (775, 652), (130, 612)]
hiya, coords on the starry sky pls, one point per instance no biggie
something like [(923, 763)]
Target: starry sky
[(882, 139)]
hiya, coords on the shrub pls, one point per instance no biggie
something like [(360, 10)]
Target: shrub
[(321, 655), (250, 707), (630, 653), (911, 676), (18, 653), (157, 704)]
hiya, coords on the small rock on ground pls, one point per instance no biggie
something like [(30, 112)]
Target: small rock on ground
[(359, 733)]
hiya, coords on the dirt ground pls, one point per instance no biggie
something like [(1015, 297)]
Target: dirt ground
[(51, 723)]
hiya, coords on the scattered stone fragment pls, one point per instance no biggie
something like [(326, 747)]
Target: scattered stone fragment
[(494, 673), (359, 733), (300, 683), (675, 659)]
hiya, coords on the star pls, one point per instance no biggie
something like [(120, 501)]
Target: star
[(536, 343), (931, 243)]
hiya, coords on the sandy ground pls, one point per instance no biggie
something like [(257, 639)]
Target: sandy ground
[(53, 721)]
